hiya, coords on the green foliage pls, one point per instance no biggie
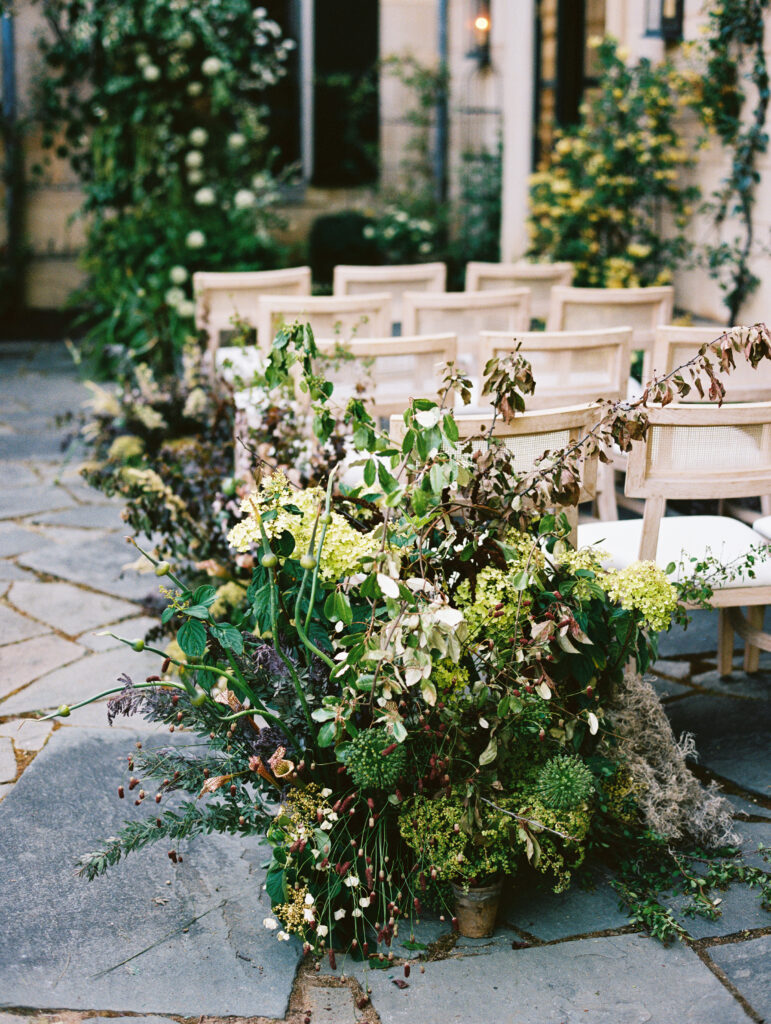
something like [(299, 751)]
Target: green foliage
[(564, 783), (736, 50), (159, 108), (612, 182), (368, 766)]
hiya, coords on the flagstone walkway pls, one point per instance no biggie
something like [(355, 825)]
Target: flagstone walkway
[(152, 941)]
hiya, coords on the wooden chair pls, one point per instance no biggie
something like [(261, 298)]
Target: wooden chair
[(330, 316), (571, 367), (466, 314), (642, 309), (388, 372), (396, 280), (222, 297), (674, 346), (540, 278), (528, 436), (700, 451)]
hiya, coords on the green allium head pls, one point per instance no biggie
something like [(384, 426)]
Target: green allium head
[(564, 783), (368, 766)]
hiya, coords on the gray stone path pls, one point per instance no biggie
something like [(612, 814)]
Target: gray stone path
[(186, 940)]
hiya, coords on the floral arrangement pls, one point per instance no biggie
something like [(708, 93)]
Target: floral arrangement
[(422, 687), (612, 181), (160, 108)]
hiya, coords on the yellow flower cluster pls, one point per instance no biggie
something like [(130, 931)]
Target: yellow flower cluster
[(292, 913), (344, 546), (452, 683), (643, 587), (126, 447), (148, 481), (229, 595)]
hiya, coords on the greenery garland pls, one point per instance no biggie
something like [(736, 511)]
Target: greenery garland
[(736, 39)]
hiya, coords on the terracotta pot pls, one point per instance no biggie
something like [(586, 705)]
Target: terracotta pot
[(476, 909)]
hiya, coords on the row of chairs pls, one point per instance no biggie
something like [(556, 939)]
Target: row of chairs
[(691, 452), (377, 302)]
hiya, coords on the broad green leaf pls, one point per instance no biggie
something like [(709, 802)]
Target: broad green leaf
[(370, 472), (400, 732), (327, 734), (195, 611), (228, 636), (191, 637), (205, 595), (450, 427), (490, 752)]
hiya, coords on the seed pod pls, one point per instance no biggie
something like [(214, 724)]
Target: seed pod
[(121, 792)]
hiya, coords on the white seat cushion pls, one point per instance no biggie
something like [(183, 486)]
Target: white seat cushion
[(680, 539), (763, 527)]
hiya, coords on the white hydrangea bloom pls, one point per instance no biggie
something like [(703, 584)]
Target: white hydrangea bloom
[(151, 73), (212, 66), (244, 199), (205, 197), (194, 158), (178, 274), (198, 137), (236, 140)]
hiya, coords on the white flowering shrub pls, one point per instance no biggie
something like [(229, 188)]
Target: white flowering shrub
[(159, 106)]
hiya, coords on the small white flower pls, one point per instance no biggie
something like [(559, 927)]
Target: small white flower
[(356, 913), (424, 248), (322, 930), (143, 60), (195, 240), (194, 158), (186, 40), (151, 73), (212, 66), (178, 275), (195, 177), (259, 12), (269, 922), (186, 309), (194, 88), (309, 900), (369, 231), (236, 140), (326, 792), (427, 417), (244, 199), (339, 914), (309, 915), (205, 197), (289, 44), (351, 881), (174, 296), (198, 137), (283, 937)]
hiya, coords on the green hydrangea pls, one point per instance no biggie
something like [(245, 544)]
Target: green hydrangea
[(564, 783), (343, 545), (368, 766), (643, 587)]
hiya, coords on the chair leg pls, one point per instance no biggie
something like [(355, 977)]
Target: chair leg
[(752, 653), (765, 505), (607, 509), (725, 643)]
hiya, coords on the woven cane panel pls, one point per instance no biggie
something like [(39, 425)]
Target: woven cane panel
[(387, 378), (700, 450), (468, 324), (526, 448)]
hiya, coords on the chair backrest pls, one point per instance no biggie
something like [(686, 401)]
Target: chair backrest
[(540, 278), (699, 451), (222, 297), (528, 436), (387, 371), (676, 345), (330, 316), (396, 280), (642, 309), (466, 314), (569, 367)]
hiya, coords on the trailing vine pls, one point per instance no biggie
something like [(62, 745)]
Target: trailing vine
[(735, 47)]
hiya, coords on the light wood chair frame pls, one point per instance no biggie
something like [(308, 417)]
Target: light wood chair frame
[(519, 275), (431, 277), (660, 299), (444, 346), (374, 311), (289, 281), (643, 481), (575, 420)]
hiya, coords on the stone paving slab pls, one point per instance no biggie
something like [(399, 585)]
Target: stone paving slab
[(15, 540), (92, 517), (81, 679), (8, 767), (69, 609), (64, 939), (740, 911), (130, 629), (15, 627), (551, 916), (17, 474), (746, 965), (732, 736), (26, 733), (21, 663), (9, 573), (625, 979), (27, 500), (97, 561)]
